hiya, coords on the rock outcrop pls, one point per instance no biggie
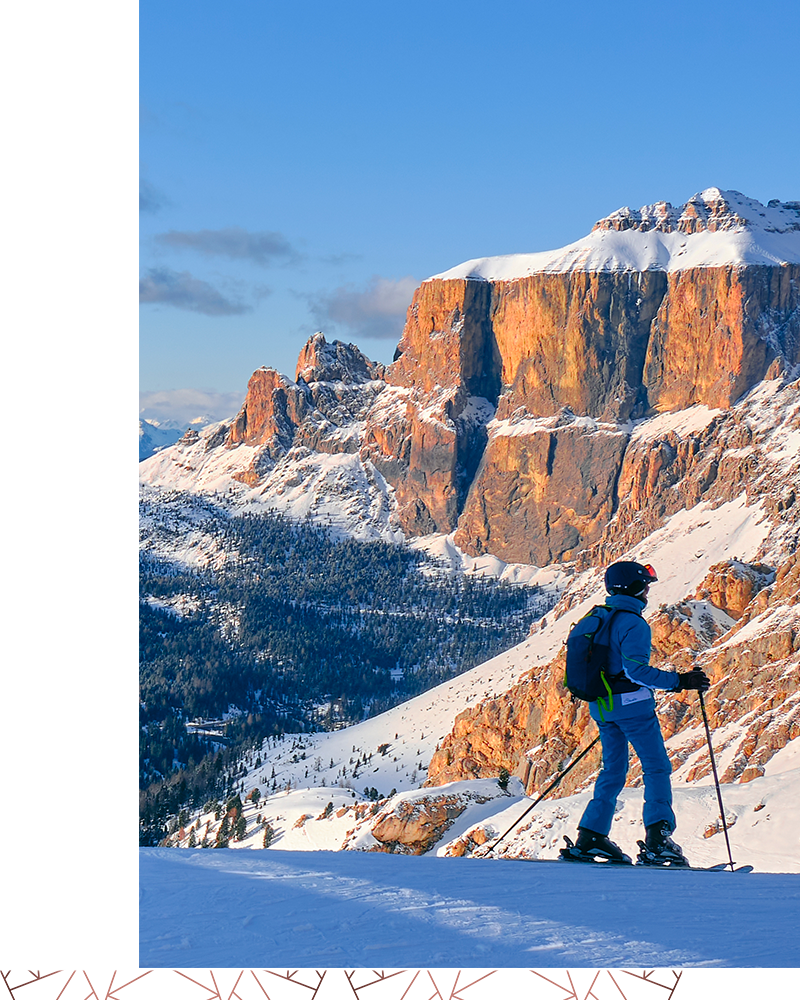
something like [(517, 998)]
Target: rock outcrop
[(414, 824), (534, 729), (336, 385), (732, 585)]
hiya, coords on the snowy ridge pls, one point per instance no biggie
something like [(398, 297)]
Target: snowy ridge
[(660, 238)]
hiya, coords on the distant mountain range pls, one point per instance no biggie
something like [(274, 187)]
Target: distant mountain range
[(153, 438)]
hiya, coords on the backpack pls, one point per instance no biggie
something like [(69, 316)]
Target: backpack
[(586, 675)]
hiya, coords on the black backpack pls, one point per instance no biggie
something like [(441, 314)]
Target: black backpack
[(586, 675)]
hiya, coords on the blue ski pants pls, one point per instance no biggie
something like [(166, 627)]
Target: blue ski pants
[(644, 735)]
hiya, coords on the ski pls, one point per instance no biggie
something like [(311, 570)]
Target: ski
[(649, 859), (723, 866), (572, 856)]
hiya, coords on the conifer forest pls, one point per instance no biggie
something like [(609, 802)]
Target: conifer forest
[(295, 631)]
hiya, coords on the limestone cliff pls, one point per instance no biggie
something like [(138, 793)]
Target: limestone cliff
[(602, 340), (509, 415), (741, 625)]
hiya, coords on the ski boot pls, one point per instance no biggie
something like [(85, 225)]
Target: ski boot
[(658, 850), (593, 847)]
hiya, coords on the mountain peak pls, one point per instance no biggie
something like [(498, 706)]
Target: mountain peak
[(320, 361), (712, 210)]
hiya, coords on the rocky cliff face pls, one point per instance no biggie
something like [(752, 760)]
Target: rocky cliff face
[(717, 331), (508, 415), (607, 347), (741, 624)]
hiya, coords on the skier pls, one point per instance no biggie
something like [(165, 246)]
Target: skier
[(632, 719)]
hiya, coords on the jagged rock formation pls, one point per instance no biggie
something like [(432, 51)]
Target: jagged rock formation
[(507, 415), (335, 386)]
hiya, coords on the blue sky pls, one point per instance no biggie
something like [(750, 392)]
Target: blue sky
[(305, 165)]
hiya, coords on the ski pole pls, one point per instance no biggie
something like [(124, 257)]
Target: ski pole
[(546, 792), (716, 779)]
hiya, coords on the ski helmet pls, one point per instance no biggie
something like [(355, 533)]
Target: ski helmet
[(629, 578)]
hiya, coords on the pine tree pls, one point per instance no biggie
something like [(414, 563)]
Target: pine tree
[(224, 833)]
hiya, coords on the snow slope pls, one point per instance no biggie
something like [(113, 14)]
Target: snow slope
[(683, 550), (752, 234), (345, 909)]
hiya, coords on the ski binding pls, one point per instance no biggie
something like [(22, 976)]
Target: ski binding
[(572, 853)]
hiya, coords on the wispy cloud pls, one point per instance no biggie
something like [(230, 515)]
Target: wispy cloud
[(150, 198), (181, 408), (180, 289), (262, 248), (376, 311), (337, 259)]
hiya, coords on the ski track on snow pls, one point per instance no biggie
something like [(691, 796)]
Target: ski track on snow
[(314, 910)]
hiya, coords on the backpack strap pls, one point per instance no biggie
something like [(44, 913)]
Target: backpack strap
[(613, 678)]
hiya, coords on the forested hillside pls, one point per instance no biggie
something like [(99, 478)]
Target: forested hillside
[(297, 631)]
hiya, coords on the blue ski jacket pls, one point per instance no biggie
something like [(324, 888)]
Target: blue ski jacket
[(629, 639)]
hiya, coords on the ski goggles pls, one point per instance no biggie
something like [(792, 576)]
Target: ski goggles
[(650, 572)]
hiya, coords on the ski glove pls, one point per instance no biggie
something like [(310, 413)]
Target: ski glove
[(694, 680)]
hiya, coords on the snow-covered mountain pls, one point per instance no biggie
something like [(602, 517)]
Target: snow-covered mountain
[(153, 438), (508, 416), (635, 395), (713, 229)]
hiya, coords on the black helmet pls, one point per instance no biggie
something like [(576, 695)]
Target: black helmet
[(629, 578)]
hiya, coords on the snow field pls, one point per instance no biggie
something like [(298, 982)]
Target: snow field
[(348, 909)]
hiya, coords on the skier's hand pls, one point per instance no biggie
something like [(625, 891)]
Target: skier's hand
[(694, 680)]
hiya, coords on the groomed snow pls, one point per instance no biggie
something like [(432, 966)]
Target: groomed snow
[(319, 909)]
